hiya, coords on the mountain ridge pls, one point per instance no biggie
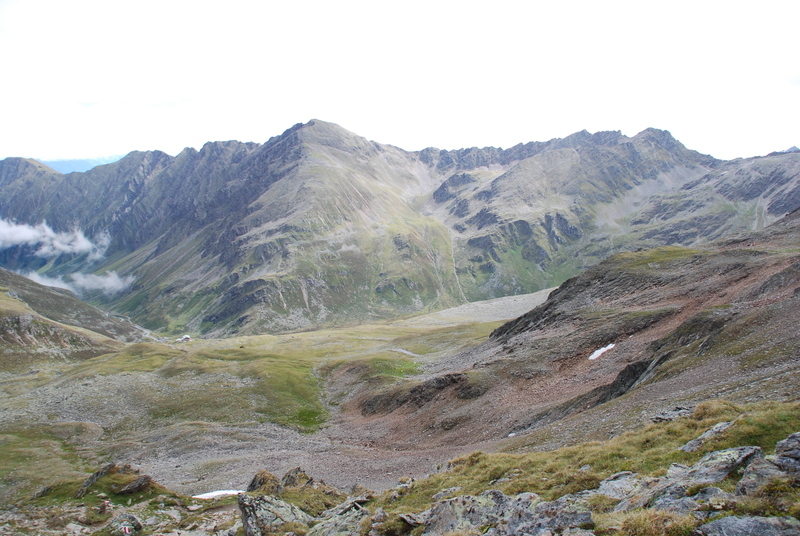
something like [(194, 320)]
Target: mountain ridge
[(319, 226)]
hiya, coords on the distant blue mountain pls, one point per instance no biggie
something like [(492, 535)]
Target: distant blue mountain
[(68, 166)]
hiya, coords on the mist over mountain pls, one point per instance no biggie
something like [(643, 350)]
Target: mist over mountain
[(319, 226)]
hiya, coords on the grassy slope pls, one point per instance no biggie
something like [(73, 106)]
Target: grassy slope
[(648, 450)]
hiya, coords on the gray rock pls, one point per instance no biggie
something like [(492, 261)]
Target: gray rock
[(666, 491), (716, 466), (787, 453), (701, 505), (751, 526), (673, 498), (712, 498), (469, 512), (505, 515), (619, 485), (759, 472), (714, 431), (342, 520), (263, 514)]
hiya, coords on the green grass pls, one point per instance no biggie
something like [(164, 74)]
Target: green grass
[(656, 256), (33, 457), (649, 450), (267, 378)]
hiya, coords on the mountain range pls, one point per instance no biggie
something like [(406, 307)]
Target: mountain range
[(320, 227)]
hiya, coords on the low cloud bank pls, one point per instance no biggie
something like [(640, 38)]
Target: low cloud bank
[(108, 283), (51, 243)]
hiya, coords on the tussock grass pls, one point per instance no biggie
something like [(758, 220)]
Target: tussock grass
[(646, 523), (648, 450)]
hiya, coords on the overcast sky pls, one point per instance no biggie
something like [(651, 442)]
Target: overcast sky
[(84, 79)]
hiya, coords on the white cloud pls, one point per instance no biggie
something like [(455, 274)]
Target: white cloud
[(108, 283), (50, 243)]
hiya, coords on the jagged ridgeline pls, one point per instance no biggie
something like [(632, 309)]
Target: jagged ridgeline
[(319, 226)]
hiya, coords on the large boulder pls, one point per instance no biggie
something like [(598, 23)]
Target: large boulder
[(751, 526), (263, 514)]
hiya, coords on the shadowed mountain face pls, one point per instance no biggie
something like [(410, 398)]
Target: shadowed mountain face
[(319, 226)]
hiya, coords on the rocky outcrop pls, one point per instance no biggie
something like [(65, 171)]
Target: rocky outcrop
[(683, 491), (139, 484), (503, 515), (264, 482), (93, 478)]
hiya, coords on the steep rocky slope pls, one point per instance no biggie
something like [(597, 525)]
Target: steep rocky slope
[(62, 306), (28, 338), (319, 226)]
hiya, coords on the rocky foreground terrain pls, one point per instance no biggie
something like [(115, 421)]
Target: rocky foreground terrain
[(732, 491)]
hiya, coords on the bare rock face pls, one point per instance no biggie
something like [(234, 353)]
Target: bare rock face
[(669, 492)]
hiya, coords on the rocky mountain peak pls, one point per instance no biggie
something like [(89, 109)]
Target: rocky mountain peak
[(663, 138)]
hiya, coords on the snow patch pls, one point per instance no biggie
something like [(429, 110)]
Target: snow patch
[(218, 493), (600, 351)]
